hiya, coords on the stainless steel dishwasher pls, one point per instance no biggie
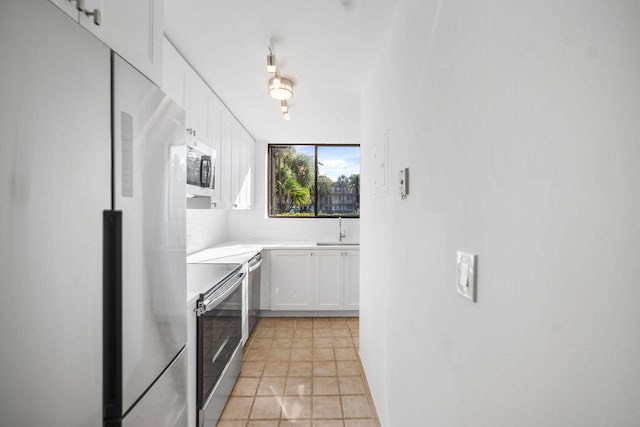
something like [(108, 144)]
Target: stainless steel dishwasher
[(254, 291)]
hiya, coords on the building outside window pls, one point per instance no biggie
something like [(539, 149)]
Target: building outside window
[(314, 180)]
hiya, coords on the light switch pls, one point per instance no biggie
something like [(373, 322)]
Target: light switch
[(466, 275)]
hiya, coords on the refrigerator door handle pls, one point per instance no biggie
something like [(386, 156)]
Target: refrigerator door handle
[(112, 312)]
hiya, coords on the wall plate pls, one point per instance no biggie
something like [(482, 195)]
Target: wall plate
[(466, 275), (403, 181)]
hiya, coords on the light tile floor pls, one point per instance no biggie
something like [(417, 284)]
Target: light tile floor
[(301, 372)]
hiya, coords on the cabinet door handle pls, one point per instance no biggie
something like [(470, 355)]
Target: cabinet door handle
[(97, 16)]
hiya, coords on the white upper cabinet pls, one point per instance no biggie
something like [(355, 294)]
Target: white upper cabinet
[(210, 122), (236, 143), (225, 159), (133, 29), (174, 74), (197, 106), (215, 109), (243, 153)]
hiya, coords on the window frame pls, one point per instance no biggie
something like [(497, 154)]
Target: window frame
[(270, 172)]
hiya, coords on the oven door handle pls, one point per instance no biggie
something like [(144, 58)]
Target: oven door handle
[(221, 294), (253, 267)]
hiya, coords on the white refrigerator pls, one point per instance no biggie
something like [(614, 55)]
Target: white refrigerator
[(92, 232)]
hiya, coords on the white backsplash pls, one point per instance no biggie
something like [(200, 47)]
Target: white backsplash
[(253, 225), (206, 227)]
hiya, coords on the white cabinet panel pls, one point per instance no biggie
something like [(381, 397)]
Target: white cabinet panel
[(131, 28), (215, 109), (197, 106), (236, 142), (243, 168), (174, 75), (291, 287), (351, 274), (225, 161), (328, 280)]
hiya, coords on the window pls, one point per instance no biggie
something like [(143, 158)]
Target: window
[(314, 180)]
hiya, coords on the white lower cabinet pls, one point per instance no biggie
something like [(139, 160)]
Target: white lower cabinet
[(303, 279), (291, 287)]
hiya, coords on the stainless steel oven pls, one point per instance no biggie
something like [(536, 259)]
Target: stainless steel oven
[(219, 345)]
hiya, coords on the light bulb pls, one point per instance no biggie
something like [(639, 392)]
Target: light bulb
[(283, 106), (271, 62), (280, 88)]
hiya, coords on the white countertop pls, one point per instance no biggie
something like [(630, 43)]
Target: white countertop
[(241, 252)]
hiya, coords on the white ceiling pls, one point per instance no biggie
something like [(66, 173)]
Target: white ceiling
[(325, 46)]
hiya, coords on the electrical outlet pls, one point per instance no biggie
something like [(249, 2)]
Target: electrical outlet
[(466, 275)]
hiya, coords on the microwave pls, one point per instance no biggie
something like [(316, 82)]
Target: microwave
[(201, 166)]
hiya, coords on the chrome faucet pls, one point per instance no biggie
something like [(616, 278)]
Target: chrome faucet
[(341, 234)]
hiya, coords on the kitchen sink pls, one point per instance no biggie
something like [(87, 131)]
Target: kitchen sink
[(336, 244)]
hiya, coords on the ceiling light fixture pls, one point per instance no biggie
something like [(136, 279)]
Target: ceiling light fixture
[(280, 88), (271, 62)]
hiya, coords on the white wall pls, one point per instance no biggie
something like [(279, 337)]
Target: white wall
[(206, 227), (520, 123), (254, 225)]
